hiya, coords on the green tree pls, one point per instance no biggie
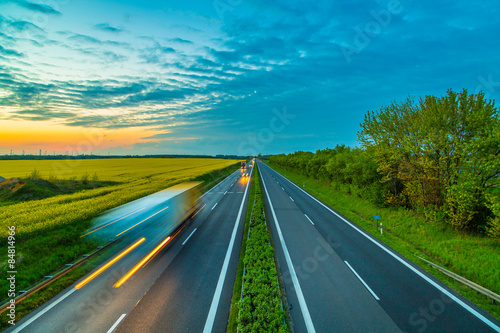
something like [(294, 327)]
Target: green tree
[(443, 150)]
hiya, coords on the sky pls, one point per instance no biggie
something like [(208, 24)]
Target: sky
[(228, 76)]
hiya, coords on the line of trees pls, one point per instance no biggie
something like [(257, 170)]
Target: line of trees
[(439, 156)]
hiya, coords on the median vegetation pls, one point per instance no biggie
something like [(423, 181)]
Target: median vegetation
[(257, 300)]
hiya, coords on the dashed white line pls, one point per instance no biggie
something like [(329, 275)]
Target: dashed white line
[(298, 290), (117, 323), (403, 262), (309, 219), (282, 188), (41, 313), (191, 234), (291, 198), (214, 205), (362, 281), (225, 193)]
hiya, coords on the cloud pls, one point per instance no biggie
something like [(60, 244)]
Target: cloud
[(42, 114), (180, 40), (9, 52), (107, 28), (42, 8)]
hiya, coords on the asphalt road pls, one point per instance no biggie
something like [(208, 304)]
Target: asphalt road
[(186, 287), (338, 278)]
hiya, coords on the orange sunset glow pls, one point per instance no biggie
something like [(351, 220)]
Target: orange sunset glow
[(34, 135)]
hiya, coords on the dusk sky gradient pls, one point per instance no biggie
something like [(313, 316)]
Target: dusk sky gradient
[(228, 76)]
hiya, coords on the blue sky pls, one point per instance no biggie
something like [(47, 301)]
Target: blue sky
[(228, 76)]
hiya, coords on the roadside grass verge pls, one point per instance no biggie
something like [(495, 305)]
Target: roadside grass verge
[(48, 230), (257, 298), (474, 257)]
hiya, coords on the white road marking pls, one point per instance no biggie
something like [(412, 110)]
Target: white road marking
[(41, 313), (225, 193), (362, 281), (291, 198), (282, 188), (191, 234), (209, 324), (214, 205), (239, 192), (413, 269), (309, 219), (117, 323), (222, 181), (300, 296)]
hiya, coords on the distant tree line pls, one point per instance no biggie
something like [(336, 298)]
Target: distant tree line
[(439, 156), (87, 157)]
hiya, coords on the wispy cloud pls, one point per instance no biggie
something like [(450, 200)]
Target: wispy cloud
[(42, 8), (107, 28)]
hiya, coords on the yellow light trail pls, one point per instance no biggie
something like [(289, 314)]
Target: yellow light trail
[(199, 210), (135, 225), (121, 218), (145, 260), (111, 262)]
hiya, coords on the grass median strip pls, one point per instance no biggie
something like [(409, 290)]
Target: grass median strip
[(257, 298)]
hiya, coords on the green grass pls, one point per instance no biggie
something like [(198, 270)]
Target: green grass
[(474, 257), (260, 308), (21, 190), (232, 326), (48, 230)]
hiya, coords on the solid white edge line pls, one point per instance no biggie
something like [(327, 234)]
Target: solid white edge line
[(41, 313), (214, 206), (416, 271), (209, 324), (309, 219), (117, 323), (222, 181), (191, 234), (300, 296), (362, 281)]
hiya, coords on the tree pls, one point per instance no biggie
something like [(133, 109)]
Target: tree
[(443, 150)]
